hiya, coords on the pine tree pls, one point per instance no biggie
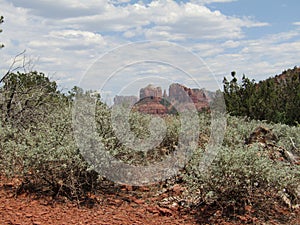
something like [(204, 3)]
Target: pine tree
[(275, 99)]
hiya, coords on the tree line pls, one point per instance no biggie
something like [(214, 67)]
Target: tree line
[(276, 99)]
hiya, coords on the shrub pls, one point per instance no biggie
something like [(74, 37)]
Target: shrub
[(43, 154), (139, 125), (243, 175)]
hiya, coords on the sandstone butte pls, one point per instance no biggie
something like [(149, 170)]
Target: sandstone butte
[(153, 100)]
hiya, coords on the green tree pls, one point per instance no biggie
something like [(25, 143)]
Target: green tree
[(27, 97), (233, 95), (248, 91), (74, 92), (275, 99)]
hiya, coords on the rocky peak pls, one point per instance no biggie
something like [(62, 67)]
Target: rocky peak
[(151, 91)]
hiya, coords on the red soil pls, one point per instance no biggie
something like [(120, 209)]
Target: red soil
[(103, 209), (123, 207)]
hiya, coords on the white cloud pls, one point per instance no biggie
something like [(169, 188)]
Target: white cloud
[(63, 8), (212, 1), (77, 37), (231, 44), (174, 21), (158, 19), (259, 58), (68, 35), (118, 1), (297, 23)]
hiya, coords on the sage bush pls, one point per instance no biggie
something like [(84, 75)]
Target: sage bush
[(45, 157), (244, 175)]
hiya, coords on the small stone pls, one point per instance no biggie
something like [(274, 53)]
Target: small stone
[(144, 189), (165, 211), (139, 201), (177, 189)]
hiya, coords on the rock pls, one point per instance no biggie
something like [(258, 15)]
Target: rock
[(182, 94), (186, 97), (153, 101), (263, 135), (177, 189), (165, 94), (266, 138), (153, 209), (151, 91), (37, 223), (139, 201), (150, 106), (289, 156), (165, 211), (127, 188), (144, 188), (286, 198)]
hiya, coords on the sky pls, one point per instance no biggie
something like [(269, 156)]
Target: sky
[(65, 39)]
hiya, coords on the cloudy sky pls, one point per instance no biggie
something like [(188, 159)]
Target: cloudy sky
[(64, 39)]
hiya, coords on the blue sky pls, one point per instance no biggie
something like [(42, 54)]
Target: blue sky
[(64, 39), (280, 14)]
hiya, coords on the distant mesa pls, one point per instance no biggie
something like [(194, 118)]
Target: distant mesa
[(153, 100)]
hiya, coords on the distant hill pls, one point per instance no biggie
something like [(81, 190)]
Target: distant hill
[(286, 75)]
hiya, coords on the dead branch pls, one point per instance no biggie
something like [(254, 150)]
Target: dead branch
[(18, 59), (294, 146)]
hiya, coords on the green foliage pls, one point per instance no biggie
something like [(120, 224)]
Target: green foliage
[(139, 125), (37, 143), (275, 99), (26, 97), (75, 92), (46, 157), (243, 175)]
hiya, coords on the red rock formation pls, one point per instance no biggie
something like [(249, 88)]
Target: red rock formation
[(165, 94), (151, 105), (151, 91), (152, 108), (180, 98), (183, 95)]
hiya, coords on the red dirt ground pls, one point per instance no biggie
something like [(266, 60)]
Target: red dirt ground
[(27, 209), (123, 208)]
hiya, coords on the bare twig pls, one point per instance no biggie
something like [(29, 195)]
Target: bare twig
[(294, 146), (13, 67)]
